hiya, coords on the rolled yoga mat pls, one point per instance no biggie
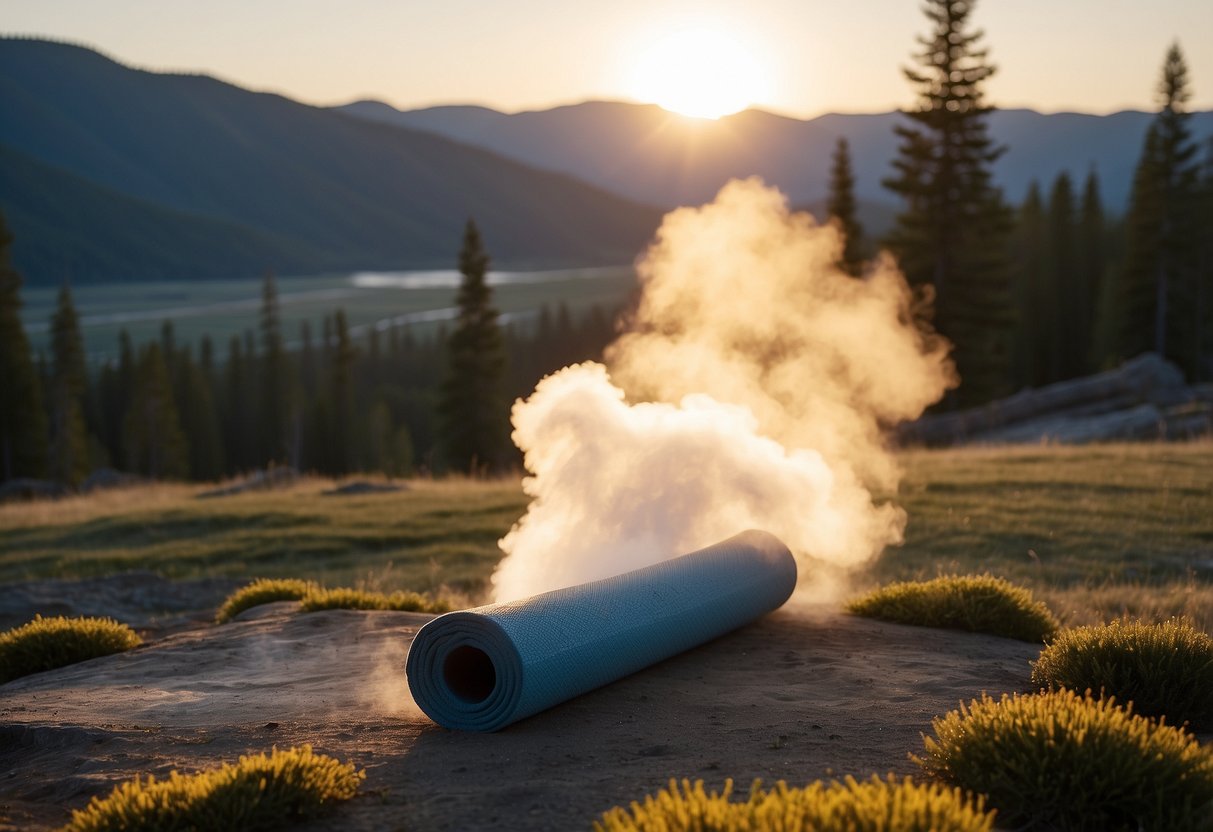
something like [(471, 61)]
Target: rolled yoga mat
[(482, 669)]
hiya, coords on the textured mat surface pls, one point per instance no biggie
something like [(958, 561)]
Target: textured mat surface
[(481, 669)]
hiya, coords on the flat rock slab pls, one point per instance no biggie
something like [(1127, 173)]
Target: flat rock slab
[(807, 692)]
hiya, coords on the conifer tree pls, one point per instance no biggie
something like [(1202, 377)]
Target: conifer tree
[(841, 209), (1031, 363), (276, 385), (23, 430), (346, 438), (951, 234), (199, 418), (117, 385), (1202, 307), (1161, 232), (1092, 256), (237, 420), (471, 408), (1067, 344), (154, 441), (69, 445)]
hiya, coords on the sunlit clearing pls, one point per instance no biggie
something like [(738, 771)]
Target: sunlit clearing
[(701, 73)]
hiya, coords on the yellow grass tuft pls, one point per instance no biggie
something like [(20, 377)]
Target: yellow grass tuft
[(1064, 761), (343, 598), (871, 806), (48, 643), (977, 603), (1163, 669), (259, 792), (263, 591)]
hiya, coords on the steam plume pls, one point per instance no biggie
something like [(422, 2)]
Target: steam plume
[(752, 389)]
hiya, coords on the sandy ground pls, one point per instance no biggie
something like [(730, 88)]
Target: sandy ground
[(804, 693)]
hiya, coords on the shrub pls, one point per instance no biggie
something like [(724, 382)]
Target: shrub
[(358, 599), (1064, 761), (978, 603), (263, 591), (47, 643), (871, 806), (1163, 669), (261, 792)]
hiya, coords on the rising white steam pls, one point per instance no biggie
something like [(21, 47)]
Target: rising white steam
[(753, 388)]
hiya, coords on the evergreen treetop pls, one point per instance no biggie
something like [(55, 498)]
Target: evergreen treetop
[(951, 232), (22, 419), (471, 404), (841, 209), (69, 381)]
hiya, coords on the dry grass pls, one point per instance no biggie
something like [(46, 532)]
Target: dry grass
[(437, 535), (1096, 532), (83, 508)]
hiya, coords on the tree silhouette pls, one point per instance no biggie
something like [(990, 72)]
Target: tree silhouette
[(1033, 322), (1161, 228), (841, 209), (69, 381), (22, 419), (471, 407), (950, 235), (155, 444)]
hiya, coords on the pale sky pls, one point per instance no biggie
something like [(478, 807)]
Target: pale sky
[(813, 56)]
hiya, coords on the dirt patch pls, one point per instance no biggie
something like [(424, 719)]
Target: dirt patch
[(804, 693), (151, 604)]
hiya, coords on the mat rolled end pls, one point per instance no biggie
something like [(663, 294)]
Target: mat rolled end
[(481, 669)]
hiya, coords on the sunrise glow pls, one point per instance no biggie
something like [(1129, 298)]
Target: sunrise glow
[(701, 72)]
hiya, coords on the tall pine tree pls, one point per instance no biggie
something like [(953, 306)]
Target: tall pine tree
[(1161, 230), (841, 209), (1067, 343), (1202, 307), (1031, 342), (69, 380), (278, 423), (347, 437), (1092, 259), (951, 234), (471, 408), (22, 419), (155, 444)]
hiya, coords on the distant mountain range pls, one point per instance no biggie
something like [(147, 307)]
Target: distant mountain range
[(112, 173), (109, 173), (644, 153)]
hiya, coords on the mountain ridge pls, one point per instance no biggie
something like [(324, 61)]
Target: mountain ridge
[(362, 195), (788, 152)]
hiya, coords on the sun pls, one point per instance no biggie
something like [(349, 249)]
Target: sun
[(700, 72)]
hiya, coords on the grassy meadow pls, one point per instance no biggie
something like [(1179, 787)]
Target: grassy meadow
[(1096, 531)]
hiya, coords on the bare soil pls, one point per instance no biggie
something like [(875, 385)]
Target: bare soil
[(806, 692)]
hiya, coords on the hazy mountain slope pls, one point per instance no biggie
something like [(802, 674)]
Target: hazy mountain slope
[(645, 153), (67, 228), (365, 193)]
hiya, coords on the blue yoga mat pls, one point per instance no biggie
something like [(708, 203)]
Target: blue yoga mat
[(482, 669)]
